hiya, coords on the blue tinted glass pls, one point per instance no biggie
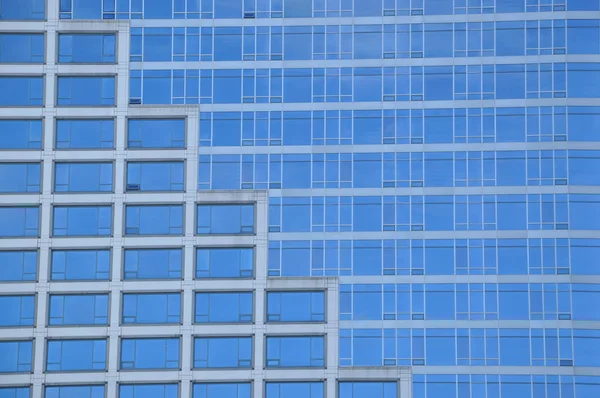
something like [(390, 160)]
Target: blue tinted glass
[(17, 310), (295, 306), (21, 91), (223, 352), (22, 48), (225, 219), (76, 355), (20, 134), (79, 309), (22, 10), (225, 262), (222, 390), (159, 308), (154, 220), (83, 177), (221, 307), (153, 264), (367, 389), (296, 351), (74, 392), (20, 177), (75, 265), (149, 353), (86, 9), (17, 356), (149, 391), (85, 134), (82, 221), (157, 176), (19, 222), (18, 266), (15, 392), (86, 90), (86, 48), (295, 390), (156, 133)]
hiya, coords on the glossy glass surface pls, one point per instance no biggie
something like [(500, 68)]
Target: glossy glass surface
[(87, 48), (151, 308), (225, 262), (154, 220), (153, 264), (295, 351), (150, 353), (82, 221), (83, 177), (85, 134), (92, 391), (78, 309), (76, 355), (222, 390), (18, 266), (225, 219), (80, 265), (22, 48), (20, 134), (223, 352), (19, 222), (155, 133), (295, 306), (224, 307), (85, 91), (17, 356), (17, 311)]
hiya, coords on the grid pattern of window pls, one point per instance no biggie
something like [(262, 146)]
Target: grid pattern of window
[(431, 204)]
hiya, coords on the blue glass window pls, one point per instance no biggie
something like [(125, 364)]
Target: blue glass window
[(78, 309), (153, 264), (224, 307), (76, 355), (74, 392), (86, 90), (83, 177), (295, 351), (20, 134), (225, 219), (156, 133), (149, 391), (150, 353), (367, 389), (22, 10), (82, 221), (80, 265), (289, 306), (151, 308), (86, 48), (17, 310), (154, 220), (85, 134), (22, 48), (15, 392), (223, 352), (19, 222), (20, 177), (222, 390), (295, 390), (155, 176), (18, 266), (235, 262), (17, 356), (21, 91)]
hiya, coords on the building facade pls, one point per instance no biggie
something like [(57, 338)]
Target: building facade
[(300, 198)]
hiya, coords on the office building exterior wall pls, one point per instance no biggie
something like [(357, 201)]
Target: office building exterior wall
[(299, 198)]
